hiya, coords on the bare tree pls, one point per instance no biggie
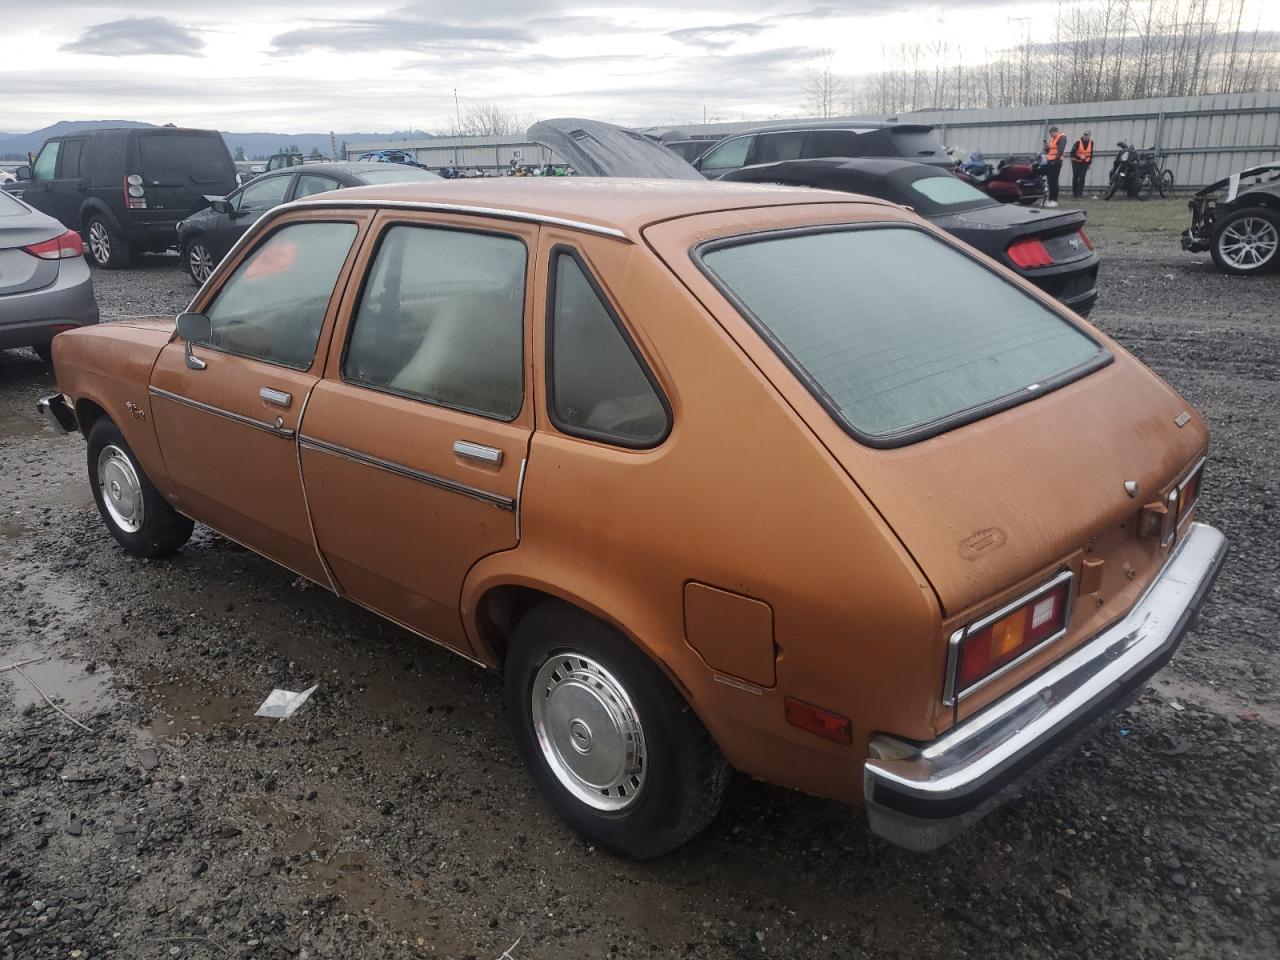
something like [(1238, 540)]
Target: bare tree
[(823, 87), (485, 118)]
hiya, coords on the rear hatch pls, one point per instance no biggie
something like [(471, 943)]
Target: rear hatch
[(179, 168), (20, 226), (994, 435)]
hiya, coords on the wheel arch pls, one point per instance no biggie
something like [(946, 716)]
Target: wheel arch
[(88, 412), (1269, 201), (92, 206)]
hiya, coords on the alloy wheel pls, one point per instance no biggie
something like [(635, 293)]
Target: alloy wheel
[(120, 488), (1249, 243), (99, 242), (199, 262), (589, 732)]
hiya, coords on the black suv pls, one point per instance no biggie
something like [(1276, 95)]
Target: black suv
[(824, 138), (125, 189)]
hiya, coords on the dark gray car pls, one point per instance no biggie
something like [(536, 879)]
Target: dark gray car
[(205, 237), (45, 286)]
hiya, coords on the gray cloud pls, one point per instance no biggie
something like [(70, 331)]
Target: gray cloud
[(138, 36), (717, 37), (393, 33)]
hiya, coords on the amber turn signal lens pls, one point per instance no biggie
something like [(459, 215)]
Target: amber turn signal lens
[(824, 723), (990, 647)]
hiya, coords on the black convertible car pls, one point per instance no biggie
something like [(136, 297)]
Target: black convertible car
[(1047, 247)]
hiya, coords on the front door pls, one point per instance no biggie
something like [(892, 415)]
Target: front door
[(227, 419), (44, 174), (413, 445)]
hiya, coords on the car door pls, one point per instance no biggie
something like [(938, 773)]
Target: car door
[(227, 419), (726, 156), (44, 173), (413, 446), (68, 187), (247, 208)]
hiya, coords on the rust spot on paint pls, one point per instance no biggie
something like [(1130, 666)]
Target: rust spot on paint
[(982, 541)]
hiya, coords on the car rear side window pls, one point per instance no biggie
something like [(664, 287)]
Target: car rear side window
[(774, 147), (273, 306), (599, 387), (310, 184), (898, 334), (441, 319), (833, 143), (176, 156), (69, 162)]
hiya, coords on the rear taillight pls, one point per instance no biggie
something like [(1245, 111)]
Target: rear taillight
[(1028, 253), (1189, 491), (1084, 238), (62, 247), (981, 650), (134, 195)]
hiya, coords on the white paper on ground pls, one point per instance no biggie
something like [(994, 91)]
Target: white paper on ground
[(283, 704)]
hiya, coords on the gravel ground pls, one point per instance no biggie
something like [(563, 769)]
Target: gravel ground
[(391, 819)]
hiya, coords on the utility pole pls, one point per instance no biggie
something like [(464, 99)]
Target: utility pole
[(458, 113)]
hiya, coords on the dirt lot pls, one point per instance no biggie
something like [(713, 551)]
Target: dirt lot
[(390, 818)]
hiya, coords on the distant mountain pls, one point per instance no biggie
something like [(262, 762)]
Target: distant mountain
[(17, 145)]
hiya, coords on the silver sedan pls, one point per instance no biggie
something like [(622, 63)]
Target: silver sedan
[(45, 286)]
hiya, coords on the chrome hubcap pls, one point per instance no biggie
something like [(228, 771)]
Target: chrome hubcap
[(99, 242), (589, 731), (121, 490), (201, 262), (1249, 243)]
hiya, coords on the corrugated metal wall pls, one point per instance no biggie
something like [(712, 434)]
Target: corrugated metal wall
[(1205, 138)]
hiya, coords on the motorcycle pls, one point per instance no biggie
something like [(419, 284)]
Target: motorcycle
[(1002, 183), (1136, 172)]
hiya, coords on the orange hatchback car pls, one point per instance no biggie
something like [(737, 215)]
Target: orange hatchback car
[(720, 476)]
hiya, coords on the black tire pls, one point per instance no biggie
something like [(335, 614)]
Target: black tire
[(1145, 186), (1112, 187), (160, 530), (45, 352), (105, 247), (1234, 253), (198, 260), (677, 774)]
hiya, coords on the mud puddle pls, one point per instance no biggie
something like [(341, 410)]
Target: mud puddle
[(180, 707), (79, 687)]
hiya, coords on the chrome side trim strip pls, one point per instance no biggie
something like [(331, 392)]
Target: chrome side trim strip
[(264, 425), (399, 469), (306, 501), (524, 464), (499, 213)]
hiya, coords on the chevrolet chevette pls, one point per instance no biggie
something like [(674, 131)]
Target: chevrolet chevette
[(720, 476)]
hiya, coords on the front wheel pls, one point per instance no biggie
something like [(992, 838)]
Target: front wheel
[(106, 248), (198, 259), (614, 748), (1112, 187), (1247, 242), (1166, 181), (138, 517), (1144, 186)]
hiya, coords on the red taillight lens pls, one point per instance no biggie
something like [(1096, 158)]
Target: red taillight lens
[(134, 195), (824, 723), (1189, 493), (1001, 641), (1028, 253), (1084, 238), (59, 248)]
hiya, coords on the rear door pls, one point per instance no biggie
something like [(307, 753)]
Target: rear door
[(68, 188), (413, 445)]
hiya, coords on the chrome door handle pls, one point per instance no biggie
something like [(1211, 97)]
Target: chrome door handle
[(278, 397), (478, 452)]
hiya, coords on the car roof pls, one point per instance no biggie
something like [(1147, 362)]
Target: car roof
[(861, 125), (100, 131), (620, 205)]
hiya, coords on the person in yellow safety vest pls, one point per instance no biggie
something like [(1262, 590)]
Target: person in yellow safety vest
[(1054, 148), (1081, 157)]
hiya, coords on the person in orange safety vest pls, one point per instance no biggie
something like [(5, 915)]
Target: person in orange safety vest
[(1054, 148), (1081, 157)]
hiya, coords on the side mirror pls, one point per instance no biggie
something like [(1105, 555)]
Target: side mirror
[(23, 172), (221, 206), (194, 327)]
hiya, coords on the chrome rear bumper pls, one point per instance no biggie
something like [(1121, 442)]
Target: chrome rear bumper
[(923, 801)]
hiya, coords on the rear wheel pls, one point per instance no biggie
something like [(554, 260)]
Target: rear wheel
[(1247, 242), (614, 748), (106, 247), (138, 517), (1166, 181), (1145, 186)]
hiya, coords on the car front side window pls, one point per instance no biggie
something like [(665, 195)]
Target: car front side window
[(273, 306), (441, 319), (262, 195), (728, 156), (47, 162)]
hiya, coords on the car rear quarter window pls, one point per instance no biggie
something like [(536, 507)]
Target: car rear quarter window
[(897, 333), (310, 184), (273, 306), (441, 319), (952, 193), (599, 386), (178, 156)]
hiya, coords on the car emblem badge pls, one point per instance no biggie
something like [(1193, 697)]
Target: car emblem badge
[(1131, 487), (1182, 419), (1075, 244)]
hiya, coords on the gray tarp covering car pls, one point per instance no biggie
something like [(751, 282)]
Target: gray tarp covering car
[(596, 149)]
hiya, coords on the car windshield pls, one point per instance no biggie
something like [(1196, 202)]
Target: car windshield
[(894, 358), (175, 156), (949, 191), (403, 175)]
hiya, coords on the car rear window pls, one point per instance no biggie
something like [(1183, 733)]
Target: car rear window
[(176, 156), (950, 192), (10, 207), (404, 175), (898, 334)]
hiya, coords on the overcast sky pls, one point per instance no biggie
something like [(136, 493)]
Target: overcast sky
[(295, 66)]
